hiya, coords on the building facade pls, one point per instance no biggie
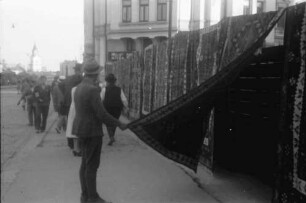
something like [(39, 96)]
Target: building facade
[(115, 28), (35, 61)]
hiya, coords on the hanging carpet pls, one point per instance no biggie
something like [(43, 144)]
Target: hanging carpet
[(177, 129), (291, 172)]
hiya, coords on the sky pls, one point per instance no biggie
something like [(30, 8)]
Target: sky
[(55, 26)]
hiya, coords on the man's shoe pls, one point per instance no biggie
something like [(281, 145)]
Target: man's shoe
[(37, 131), (83, 199), (30, 124), (98, 200)]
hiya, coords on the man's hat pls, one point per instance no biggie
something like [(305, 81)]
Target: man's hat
[(92, 68), (110, 78)]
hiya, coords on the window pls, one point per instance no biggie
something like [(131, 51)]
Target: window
[(260, 6), (246, 7), (143, 10), (161, 10), (126, 10)]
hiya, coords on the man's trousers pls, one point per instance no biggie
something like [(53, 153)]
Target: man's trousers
[(31, 114), (91, 150), (41, 116)]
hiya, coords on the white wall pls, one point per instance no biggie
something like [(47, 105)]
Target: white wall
[(183, 14), (215, 15)]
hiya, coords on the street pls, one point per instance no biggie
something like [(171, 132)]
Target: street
[(14, 131)]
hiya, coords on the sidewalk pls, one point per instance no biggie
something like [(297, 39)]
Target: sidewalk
[(129, 173)]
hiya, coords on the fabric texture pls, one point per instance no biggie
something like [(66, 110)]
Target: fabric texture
[(291, 172), (191, 69), (71, 116), (161, 76), (148, 79), (177, 130), (177, 68), (135, 87)]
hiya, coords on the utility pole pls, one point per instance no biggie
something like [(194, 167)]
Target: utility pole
[(169, 44), (105, 33), (170, 19), (93, 30)]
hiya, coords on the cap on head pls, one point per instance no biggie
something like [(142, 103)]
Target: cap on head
[(92, 68)]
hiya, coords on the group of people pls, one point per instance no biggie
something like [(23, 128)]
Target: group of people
[(36, 96), (82, 104)]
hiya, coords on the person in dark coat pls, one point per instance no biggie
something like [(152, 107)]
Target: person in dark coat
[(114, 101), (29, 97), (87, 126), (58, 100), (69, 83), (24, 88), (42, 97)]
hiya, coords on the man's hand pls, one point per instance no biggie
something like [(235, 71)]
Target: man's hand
[(123, 126), (126, 111)]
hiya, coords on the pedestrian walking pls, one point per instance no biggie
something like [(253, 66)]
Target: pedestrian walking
[(42, 96), (114, 102), (29, 97), (24, 88), (18, 87), (76, 144), (70, 82), (58, 101), (55, 80), (87, 126)]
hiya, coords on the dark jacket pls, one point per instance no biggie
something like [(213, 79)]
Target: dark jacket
[(90, 112), (66, 87), (112, 97), (57, 97), (28, 95), (42, 95)]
